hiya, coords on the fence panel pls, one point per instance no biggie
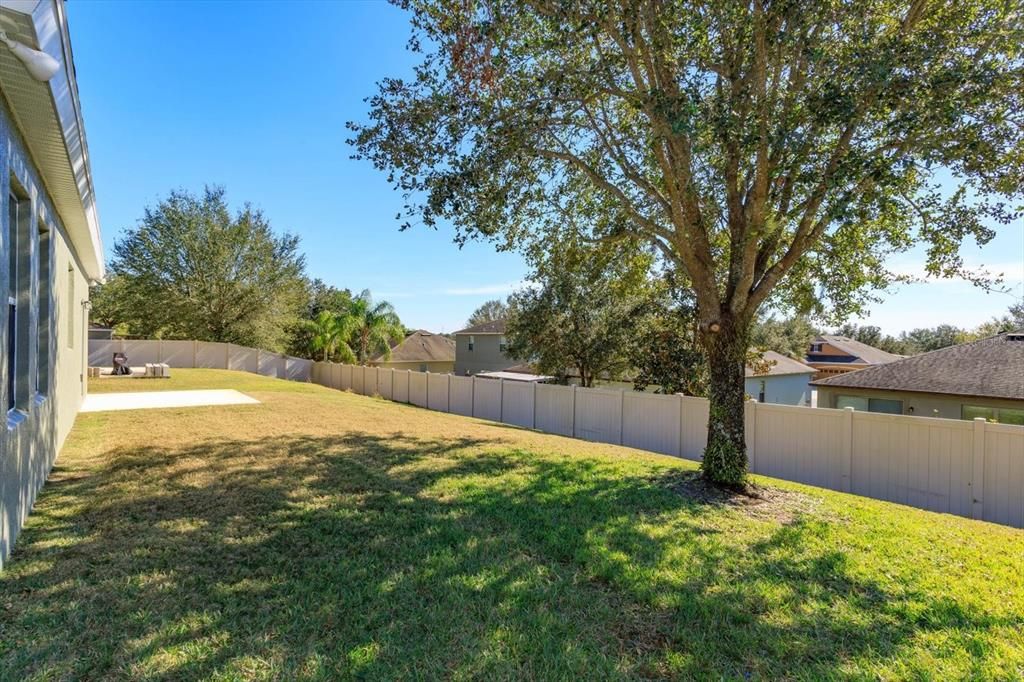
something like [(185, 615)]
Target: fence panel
[(385, 382), (517, 403), (297, 369), (178, 353), (437, 392), (793, 442), (460, 395), (345, 378), (599, 415), (243, 359), (142, 352), (487, 399), (555, 407), (1003, 494), (369, 380), (212, 355), (651, 422), (357, 379), (418, 388), (693, 434), (401, 388), (101, 351)]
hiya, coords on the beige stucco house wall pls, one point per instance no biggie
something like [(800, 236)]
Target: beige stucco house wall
[(917, 404)]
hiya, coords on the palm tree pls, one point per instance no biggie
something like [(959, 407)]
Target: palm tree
[(374, 327), (330, 332)]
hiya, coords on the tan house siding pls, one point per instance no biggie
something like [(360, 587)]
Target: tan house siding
[(923, 404), (436, 367)]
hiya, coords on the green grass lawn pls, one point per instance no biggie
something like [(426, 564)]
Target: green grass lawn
[(322, 534)]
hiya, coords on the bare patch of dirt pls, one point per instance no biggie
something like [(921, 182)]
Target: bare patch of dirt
[(757, 501)]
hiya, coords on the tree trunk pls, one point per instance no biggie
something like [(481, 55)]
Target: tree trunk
[(725, 457)]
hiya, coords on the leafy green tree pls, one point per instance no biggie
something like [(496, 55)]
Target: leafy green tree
[(790, 336), (192, 270), (663, 349), (582, 311), (374, 327), (319, 297), (328, 333), (773, 153), (495, 309), (932, 338)]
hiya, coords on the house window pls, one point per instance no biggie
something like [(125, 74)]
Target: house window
[(815, 347), (43, 335), (1000, 415), (423, 367), (472, 342), (760, 393), (19, 266), (502, 344), (880, 405), (71, 308)]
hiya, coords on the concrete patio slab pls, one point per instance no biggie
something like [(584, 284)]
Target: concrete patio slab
[(148, 400)]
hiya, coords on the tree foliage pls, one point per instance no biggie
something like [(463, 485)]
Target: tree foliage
[(495, 309), (581, 313), (772, 152), (193, 270), (791, 336), (374, 326)]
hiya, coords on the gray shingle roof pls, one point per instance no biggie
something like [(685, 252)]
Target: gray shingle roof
[(992, 368), (861, 351), (782, 365), (422, 346), (490, 327)]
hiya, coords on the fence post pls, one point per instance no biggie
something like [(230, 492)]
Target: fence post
[(501, 400), (195, 353), (159, 350), (679, 431), (978, 476), (622, 412), (533, 405), (750, 433), (847, 452), (227, 357), (472, 396), (574, 410), (447, 392)]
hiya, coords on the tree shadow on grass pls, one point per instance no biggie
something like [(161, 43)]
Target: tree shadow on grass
[(361, 556)]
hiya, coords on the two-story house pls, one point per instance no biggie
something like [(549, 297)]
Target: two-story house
[(831, 354), (482, 348)]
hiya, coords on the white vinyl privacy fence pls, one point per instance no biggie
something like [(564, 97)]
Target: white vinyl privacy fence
[(202, 354), (973, 469)]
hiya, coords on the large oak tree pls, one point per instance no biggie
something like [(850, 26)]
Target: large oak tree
[(773, 152)]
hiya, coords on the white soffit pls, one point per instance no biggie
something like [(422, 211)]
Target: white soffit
[(48, 115)]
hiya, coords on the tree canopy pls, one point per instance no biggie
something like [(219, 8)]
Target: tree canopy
[(193, 270), (772, 152), (581, 312), (495, 309)]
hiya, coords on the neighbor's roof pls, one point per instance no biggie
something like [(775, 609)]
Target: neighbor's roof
[(781, 366), (49, 118), (422, 346), (990, 368), (490, 327), (862, 352), (515, 376)]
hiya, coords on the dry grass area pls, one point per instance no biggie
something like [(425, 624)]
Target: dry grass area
[(325, 535)]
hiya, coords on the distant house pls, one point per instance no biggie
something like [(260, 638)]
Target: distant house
[(98, 331), (481, 348), (831, 354), (787, 381), (421, 351), (980, 379)]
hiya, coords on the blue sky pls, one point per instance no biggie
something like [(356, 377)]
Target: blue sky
[(255, 97)]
